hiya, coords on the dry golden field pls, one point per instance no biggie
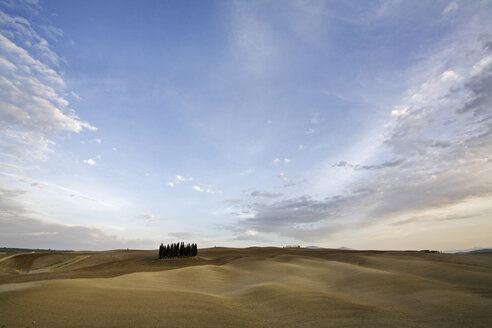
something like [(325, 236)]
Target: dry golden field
[(253, 287)]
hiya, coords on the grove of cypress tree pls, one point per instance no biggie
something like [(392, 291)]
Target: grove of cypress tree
[(179, 249)]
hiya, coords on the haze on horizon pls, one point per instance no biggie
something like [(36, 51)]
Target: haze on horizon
[(239, 123)]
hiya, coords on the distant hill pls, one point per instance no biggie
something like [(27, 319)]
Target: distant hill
[(343, 248), (475, 250), (480, 251), (28, 250)]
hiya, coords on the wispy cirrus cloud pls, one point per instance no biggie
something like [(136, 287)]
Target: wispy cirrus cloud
[(253, 40), (438, 142)]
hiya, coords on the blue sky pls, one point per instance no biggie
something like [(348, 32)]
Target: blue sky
[(241, 123)]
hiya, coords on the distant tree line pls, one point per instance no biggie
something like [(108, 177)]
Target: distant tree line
[(177, 250)]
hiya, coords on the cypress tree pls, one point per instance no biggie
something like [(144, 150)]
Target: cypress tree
[(179, 249)]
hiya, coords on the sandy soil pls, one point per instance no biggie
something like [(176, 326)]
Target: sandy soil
[(254, 287)]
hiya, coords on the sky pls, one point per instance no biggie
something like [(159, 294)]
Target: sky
[(364, 124)]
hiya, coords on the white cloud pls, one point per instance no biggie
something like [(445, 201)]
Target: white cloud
[(250, 232), (20, 28), (198, 188), (286, 161), (310, 131), (452, 6), (33, 108), (90, 161), (300, 147), (275, 162), (283, 177), (180, 178), (449, 76), (209, 190), (481, 64)]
